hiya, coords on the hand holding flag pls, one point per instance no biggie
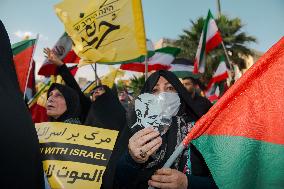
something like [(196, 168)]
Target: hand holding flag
[(52, 57), (243, 131)]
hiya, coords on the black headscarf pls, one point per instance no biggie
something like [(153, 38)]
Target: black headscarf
[(170, 138), (185, 97), (106, 111), (21, 165), (72, 102)]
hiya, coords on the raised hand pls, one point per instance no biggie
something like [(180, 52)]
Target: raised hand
[(52, 57)]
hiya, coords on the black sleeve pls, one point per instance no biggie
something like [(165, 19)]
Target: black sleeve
[(127, 169), (197, 182), (71, 82), (208, 104)]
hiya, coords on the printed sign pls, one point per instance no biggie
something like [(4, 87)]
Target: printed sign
[(74, 156)]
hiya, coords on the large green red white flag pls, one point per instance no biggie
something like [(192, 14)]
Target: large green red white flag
[(22, 55), (220, 74), (160, 59), (242, 136), (210, 39), (217, 84)]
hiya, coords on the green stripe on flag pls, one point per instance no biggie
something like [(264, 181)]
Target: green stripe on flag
[(22, 45), (243, 163), (169, 50), (138, 59), (183, 74), (204, 39)]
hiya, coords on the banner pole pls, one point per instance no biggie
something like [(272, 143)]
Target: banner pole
[(27, 80)]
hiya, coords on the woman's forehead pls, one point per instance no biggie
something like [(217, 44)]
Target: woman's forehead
[(55, 91), (163, 81)]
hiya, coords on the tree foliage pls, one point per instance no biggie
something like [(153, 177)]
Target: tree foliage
[(136, 84), (235, 40)]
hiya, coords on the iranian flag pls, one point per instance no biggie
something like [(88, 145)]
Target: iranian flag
[(220, 74), (210, 39), (63, 47), (22, 56), (216, 91), (242, 136), (160, 59)]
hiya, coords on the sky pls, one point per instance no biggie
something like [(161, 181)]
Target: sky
[(262, 19)]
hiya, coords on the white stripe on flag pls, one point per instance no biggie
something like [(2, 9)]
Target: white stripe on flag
[(222, 68), (161, 58), (181, 67), (211, 30)]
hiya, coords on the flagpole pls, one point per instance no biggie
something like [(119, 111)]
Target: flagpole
[(27, 80), (227, 56), (146, 67), (95, 71), (219, 8), (97, 77), (146, 54)]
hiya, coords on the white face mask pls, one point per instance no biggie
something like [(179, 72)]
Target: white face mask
[(156, 110)]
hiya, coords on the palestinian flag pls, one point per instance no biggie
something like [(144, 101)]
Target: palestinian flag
[(22, 55), (242, 136), (160, 59), (63, 47), (210, 39), (182, 68)]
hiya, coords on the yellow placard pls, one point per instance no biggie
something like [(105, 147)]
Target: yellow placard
[(74, 156), (104, 30), (109, 78)]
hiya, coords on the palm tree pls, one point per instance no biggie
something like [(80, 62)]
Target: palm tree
[(235, 41), (136, 84)]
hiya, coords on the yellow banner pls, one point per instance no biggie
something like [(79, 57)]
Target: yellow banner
[(75, 156), (110, 77), (104, 30)]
